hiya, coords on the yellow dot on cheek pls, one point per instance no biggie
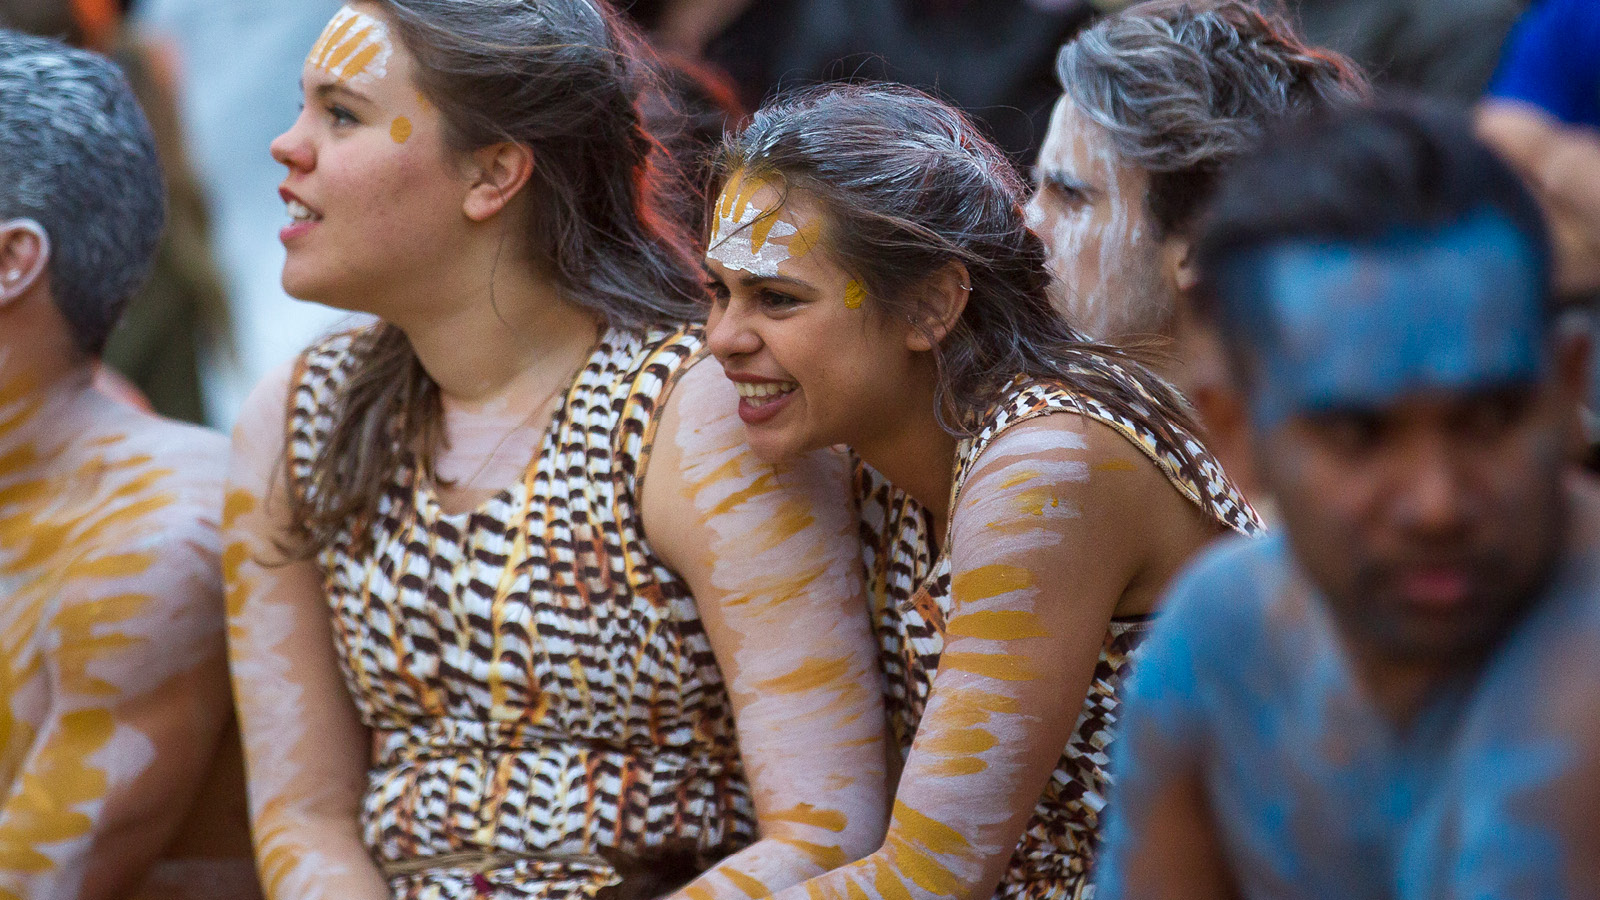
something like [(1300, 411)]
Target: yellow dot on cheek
[(400, 130), (854, 295)]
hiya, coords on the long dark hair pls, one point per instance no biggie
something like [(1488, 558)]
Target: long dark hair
[(564, 78), (908, 185)]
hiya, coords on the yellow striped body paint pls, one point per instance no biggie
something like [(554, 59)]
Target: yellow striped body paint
[(959, 803), (354, 48), (268, 660), (108, 569), (785, 575)]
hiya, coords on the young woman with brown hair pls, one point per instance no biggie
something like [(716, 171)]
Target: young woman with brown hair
[(464, 673), (1024, 494)]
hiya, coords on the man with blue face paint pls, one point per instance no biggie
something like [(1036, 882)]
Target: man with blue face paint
[(1393, 695)]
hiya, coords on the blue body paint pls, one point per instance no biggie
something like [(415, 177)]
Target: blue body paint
[(1314, 793), (1337, 325)]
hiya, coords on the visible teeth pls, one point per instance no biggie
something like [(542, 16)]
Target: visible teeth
[(762, 394), (300, 212)]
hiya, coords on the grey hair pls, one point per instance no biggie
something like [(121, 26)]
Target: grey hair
[(1183, 87), (77, 156)]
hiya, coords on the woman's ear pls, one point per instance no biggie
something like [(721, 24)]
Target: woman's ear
[(24, 252), (501, 171), (945, 298)]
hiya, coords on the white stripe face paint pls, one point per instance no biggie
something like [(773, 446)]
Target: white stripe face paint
[(1091, 211), (354, 48)]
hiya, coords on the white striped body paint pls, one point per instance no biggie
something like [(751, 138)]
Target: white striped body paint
[(112, 689)]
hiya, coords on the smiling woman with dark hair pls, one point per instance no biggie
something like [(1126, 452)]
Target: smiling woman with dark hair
[(1024, 494)]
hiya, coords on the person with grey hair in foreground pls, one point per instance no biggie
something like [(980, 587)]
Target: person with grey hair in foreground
[(113, 687), (1158, 100)]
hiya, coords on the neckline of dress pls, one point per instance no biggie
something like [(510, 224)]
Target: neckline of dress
[(425, 498)]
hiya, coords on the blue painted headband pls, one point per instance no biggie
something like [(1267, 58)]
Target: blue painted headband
[(1338, 325)]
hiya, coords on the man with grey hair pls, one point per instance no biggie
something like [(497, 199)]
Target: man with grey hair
[(1158, 99), (113, 686)]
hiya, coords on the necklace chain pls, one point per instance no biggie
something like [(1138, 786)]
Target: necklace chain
[(538, 408)]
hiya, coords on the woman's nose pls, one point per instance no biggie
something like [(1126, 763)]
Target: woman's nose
[(728, 333), (291, 149)]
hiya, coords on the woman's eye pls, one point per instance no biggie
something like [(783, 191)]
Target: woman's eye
[(717, 290), (342, 116), (775, 300)]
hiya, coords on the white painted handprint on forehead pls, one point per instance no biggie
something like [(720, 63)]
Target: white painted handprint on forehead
[(750, 237)]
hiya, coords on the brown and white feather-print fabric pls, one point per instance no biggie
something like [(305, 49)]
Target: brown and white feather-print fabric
[(539, 686), (911, 596)]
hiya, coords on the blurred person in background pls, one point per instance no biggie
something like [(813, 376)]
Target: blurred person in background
[(1159, 100), (1393, 695), (1543, 112), (234, 65), (991, 57), (180, 310), (1441, 49), (115, 755)]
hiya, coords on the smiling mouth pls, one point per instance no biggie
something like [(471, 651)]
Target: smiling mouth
[(759, 395), (300, 214)]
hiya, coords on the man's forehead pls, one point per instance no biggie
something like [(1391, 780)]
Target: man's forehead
[(1332, 324), (1075, 142)]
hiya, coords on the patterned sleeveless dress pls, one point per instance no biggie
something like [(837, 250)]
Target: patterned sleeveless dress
[(911, 598), (546, 712)]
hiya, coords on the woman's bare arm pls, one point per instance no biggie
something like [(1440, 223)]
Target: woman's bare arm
[(1054, 524), (306, 751), (772, 555)]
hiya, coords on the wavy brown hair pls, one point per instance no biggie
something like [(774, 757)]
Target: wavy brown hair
[(907, 185), (564, 78)]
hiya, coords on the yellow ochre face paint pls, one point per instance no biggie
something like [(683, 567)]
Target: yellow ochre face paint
[(400, 130), (854, 295), (355, 48)]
